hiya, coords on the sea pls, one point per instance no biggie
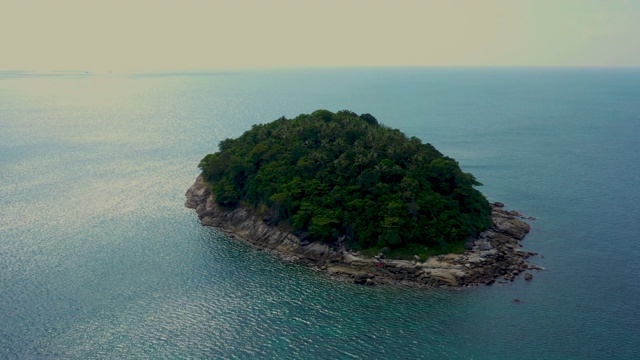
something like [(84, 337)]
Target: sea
[(99, 258)]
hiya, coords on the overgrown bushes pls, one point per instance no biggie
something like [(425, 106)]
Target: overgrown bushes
[(343, 177)]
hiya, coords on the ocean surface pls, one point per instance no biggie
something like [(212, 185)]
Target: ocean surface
[(100, 259)]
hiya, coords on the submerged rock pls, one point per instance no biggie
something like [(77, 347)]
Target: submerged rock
[(528, 276)]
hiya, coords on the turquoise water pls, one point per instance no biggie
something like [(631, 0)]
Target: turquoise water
[(99, 258)]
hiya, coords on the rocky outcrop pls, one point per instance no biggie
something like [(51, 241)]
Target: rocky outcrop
[(494, 256), (246, 224)]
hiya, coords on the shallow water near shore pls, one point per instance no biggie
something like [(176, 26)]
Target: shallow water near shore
[(100, 259)]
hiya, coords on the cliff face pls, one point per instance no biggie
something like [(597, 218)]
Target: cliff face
[(494, 255), (245, 223)]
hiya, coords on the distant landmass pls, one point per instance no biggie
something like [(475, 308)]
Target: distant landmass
[(359, 200)]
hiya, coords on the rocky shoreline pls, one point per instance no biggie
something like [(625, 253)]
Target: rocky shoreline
[(495, 256)]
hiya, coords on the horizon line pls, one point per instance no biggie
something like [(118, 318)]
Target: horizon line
[(294, 68)]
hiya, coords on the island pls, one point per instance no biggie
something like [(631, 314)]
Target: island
[(360, 201)]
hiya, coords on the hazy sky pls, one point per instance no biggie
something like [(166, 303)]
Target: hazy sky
[(196, 35)]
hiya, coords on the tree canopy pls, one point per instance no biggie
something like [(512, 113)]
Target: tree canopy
[(340, 177)]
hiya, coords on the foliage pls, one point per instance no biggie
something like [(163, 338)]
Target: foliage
[(342, 176)]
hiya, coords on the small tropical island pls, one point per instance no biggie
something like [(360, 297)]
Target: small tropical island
[(360, 201)]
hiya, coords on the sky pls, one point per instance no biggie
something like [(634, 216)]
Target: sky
[(190, 35)]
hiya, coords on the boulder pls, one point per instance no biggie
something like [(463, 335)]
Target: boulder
[(316, 250), (488, 253), (511, 226), (361, 279), (475, 258)]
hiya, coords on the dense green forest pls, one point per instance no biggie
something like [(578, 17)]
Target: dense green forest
[(340, 177)]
